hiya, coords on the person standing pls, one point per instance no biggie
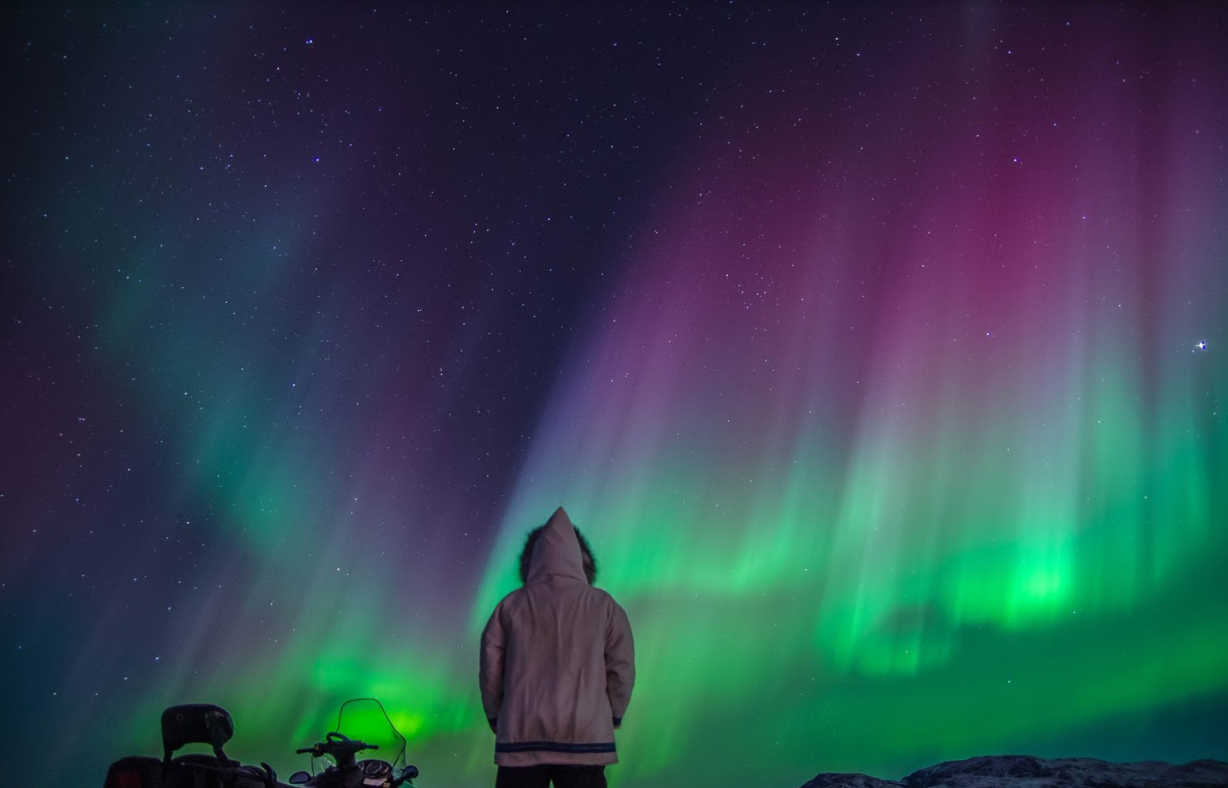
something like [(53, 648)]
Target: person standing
[(557, 667)]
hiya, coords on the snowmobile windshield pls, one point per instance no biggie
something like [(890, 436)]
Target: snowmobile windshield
[(366, 720)]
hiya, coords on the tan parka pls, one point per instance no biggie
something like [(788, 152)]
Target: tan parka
[(557, 662)]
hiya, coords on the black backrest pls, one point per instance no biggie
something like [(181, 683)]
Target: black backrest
[(192, 723)]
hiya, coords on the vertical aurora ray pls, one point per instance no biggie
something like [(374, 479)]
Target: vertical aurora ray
[(898, 457)]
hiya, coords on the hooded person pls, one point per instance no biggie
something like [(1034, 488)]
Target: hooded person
[(557, 668)]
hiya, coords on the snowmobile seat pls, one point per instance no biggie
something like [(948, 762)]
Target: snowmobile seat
[(194, 770)]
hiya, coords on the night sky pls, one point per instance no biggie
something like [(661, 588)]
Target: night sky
[(879, 353)]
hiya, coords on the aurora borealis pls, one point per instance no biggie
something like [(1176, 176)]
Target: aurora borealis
[(879, 354)]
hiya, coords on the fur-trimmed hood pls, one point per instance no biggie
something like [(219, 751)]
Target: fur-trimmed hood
[(557, 552)]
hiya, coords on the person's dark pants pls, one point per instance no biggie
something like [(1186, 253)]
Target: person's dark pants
[(540, 776)]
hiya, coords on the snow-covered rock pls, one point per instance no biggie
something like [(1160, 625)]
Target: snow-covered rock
[(849, 781), (1023, 771)]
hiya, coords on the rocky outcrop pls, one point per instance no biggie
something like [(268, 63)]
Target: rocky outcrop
[(1023, 771), (849, 781)]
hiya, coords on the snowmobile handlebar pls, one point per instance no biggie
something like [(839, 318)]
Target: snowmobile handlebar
[(338, 746)]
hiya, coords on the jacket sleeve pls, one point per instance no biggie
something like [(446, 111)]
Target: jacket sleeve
[(619, 663), (490, 669)]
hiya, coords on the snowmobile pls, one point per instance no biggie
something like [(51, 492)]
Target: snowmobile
[(205, 723)]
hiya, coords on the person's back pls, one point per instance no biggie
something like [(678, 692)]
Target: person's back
[(557, 668)]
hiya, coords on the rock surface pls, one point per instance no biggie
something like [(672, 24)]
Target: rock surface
[(1023, 771)]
